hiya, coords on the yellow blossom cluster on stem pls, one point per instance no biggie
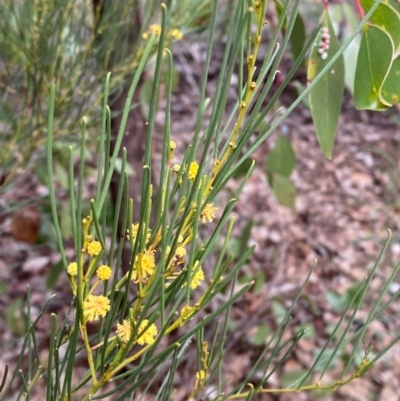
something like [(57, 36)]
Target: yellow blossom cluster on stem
[(208, 213), (95, 306), (72, 269), (193, 170), (197, 272), (144, 267), (135, 229), (197, 276), (87, 266), (104, 272), (197, 279), (146, 333), (94, 248), (173, 34), (154, 28)]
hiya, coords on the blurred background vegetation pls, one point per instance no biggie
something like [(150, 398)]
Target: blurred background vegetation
[(73, 43)]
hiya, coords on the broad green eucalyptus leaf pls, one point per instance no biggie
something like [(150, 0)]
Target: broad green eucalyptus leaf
[(282, 158), (373, 64), (350, 53), (326, 97), (391, 87), (393, 3), (386, 18), (350, 61)]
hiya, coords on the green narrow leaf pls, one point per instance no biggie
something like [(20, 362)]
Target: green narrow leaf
[(282, 158), (278, 311), (386, 18), (245, 237), (54, 274), (373, 63), (298, 38), (260, 336), (61, 174), (298, 34), (291, 377), (243, 168), (326, 97), (16, 318), (145, 97), (391, 87), (279, 10), (284, 190)]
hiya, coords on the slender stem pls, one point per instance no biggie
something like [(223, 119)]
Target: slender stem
[(316, 386), (360, 9), (251, 89), (89, 353)]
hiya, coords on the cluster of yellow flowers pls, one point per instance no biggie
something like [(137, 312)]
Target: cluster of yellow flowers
[(145, 265), (104, 272), (95, 307), (72, 269), (94, 248), (145, 334), (198, 276), (173, 34), (135, 229), (179, 259), (208, 213), (193, 169)]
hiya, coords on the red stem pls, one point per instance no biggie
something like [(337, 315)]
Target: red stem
[(360, 9)]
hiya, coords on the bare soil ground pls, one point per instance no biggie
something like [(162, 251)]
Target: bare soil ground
[(343, 210)]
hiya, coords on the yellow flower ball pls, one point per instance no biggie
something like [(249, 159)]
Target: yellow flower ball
[(124, 331), (180, 252), (193, 169), (104, 272), (148, 336), (197, 279), (201, 375), (94, 248), (176, 34), (72, 269), (95, 306), (208, 213)]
